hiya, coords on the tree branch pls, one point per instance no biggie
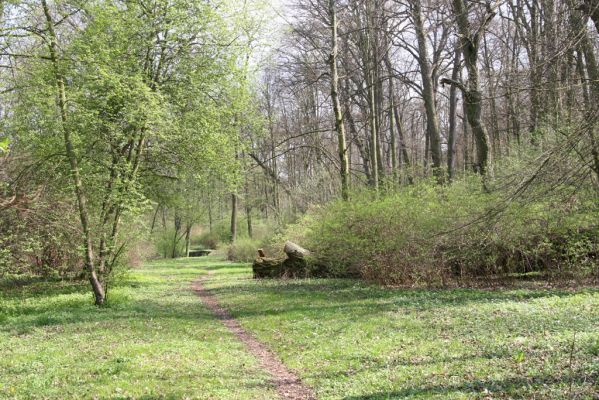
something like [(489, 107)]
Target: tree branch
[(455, 83)]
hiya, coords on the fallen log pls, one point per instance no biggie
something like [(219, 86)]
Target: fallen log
[(295, 251), (294, 266)]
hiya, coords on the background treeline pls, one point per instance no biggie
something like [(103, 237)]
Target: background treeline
[(406, 142), (471, 126)]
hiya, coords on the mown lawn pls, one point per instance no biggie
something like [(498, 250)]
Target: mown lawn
[(154, 341), (347, 339), (351, 340)]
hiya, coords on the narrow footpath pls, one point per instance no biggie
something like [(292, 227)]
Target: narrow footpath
[(288, 385)]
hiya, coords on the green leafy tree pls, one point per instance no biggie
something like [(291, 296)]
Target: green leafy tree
[(124, 94)]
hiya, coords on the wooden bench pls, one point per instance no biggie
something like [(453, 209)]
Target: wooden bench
[(199, 253)]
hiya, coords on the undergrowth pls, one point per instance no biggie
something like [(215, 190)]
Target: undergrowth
[(442, 234)]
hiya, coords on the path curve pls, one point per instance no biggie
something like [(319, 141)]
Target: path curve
[(289, 386)]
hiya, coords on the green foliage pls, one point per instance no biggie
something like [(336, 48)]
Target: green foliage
[(243, 250), (4, 142), (167, 245), (156, 100), (208, 240), (296, 232), (153, 340), (431, 234), (221, 232)]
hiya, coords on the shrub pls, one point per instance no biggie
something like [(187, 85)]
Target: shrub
[(166, 246), (40, 237), (243, 250), (208, 240), (435, 235), (296, 232)]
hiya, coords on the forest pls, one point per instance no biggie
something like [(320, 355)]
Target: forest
[(299, 199)]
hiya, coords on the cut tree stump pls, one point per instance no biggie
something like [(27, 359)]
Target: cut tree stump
[(265, 267)]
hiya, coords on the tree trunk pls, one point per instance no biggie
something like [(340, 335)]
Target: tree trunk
[(339, 126), (494, 136), (469, 42), (369, 65), (96, 285), (591, 8), (592, 96), (404, 158), (248, 211), (187, 238), (210, 213), (453, 104), (428, 92), (393, 144), (233, 217), (177, 225), (391, 112), (154, 218)]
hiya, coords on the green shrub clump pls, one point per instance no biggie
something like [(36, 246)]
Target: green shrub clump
[(243, 250), (208, 240), (442, 234)]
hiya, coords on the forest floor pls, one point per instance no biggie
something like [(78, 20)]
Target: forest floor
[(345, 339)]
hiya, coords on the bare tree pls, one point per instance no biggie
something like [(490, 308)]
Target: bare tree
[(470, 40)]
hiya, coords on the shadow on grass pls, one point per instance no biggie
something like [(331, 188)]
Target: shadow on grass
[(478, 387), (46, 303), (358, 298), (39, 286), (72, 311)]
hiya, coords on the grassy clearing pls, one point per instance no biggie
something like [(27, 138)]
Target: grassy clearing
[(347, 339), (350, 340), (154, 341)]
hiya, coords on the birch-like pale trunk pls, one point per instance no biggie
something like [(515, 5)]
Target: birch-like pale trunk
[(339, 127), (97, 288)]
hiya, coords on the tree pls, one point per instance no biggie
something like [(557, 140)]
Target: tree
[(139, 93), (339, 126), (473, 97), (61, 99), (428, 90)]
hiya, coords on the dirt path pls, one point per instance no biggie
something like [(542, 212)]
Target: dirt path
[(289, 386)]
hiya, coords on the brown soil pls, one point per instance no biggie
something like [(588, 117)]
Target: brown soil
[(289, 386)]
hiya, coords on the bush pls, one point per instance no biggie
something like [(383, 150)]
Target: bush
[(166, 246), (243, 250), (437, 235), (208, 240), (40, 237), (221, 233)]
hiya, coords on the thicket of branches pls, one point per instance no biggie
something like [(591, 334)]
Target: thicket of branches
[(439, 89), (432, 88)]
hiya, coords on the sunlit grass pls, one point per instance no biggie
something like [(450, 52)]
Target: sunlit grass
[(347, 339), (356, 341), (155, 340)]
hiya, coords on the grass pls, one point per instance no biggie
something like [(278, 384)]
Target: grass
[(154, 341), (351, 340), (347, 339)]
